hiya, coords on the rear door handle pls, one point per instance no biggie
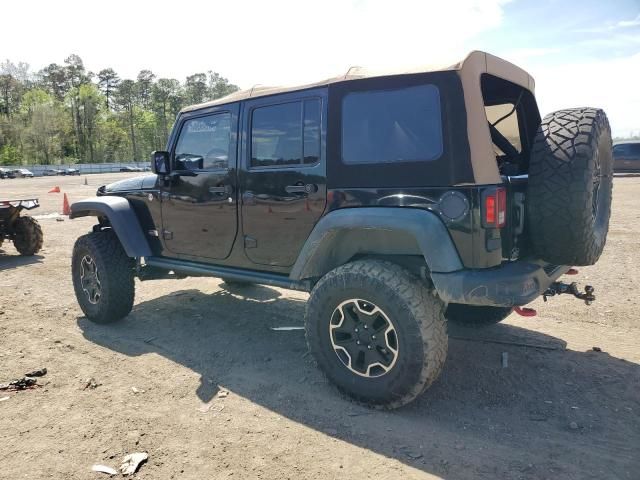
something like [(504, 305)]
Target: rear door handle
[(308, 188)]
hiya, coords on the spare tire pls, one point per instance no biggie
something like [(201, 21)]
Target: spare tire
[(570, 182)]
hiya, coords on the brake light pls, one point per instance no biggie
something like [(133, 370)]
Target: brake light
[(495, 208)]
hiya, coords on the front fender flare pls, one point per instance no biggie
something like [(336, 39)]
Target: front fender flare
[(122, 218), (344, 233)]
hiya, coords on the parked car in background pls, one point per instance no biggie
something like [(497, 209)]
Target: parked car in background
[(22, 173), (71, 171), (131, 169), (626, 156), (4, 172), (52, 172)]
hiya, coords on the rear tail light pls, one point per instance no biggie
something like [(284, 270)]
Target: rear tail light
[(494, 207)]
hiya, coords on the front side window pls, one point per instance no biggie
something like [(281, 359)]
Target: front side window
[(286, 134), (204, 143), (390, 126)]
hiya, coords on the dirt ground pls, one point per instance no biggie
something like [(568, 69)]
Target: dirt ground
[(562, 411)]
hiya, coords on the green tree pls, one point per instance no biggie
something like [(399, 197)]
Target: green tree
[(144, 87), (126, 100), (195, 88), (10, 155), (108, 81)]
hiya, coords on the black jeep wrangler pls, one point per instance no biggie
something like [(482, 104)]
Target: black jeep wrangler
[(397, 201)]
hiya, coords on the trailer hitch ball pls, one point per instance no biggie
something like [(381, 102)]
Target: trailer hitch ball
[(559, 288)]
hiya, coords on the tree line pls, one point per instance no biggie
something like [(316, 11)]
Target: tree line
[(66, 114)]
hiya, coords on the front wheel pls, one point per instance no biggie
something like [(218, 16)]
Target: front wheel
[(377, 332), (103, 277)]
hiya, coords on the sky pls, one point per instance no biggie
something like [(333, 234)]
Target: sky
[(581, 53)]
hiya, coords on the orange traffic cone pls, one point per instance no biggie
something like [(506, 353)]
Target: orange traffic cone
[(66, 210), (55, 189)]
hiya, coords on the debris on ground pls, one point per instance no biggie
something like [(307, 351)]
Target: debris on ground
[(37, 373), (131, 462), (596, 349), (222, 393), (104, 469), (4, 399), (20, 384), (286, 329), (136, 390), (573, 426), (91, 384), (210, 406)]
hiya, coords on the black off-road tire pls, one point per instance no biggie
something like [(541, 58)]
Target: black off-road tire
[(570, 186), (476, 316), (416, 313), (28, 236), (115, 271)]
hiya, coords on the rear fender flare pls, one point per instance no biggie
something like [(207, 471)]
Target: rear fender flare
[(122, 218), (342, 234)]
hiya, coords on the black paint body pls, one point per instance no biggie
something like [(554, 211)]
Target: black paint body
[(249, 218)]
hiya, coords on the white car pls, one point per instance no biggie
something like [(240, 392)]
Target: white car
[(23, 172)]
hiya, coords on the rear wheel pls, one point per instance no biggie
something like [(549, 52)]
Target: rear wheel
[(476, 316), (377, 332), (28, 237), (103, 277), (570, 185)]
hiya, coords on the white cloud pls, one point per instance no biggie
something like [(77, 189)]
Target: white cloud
[(611, 26), (267, 42)]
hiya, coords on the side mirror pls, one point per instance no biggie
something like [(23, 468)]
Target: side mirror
[(160, 162)]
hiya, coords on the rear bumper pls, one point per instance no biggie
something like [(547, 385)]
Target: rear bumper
[(511, 284)]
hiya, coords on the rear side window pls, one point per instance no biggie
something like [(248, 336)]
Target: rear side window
[(626, 149), (286, 134), (392, 126)]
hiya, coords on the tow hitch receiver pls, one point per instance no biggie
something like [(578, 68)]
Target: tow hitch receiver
[(558, 288)]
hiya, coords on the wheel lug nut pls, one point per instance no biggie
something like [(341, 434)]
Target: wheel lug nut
[(365, 327), (369, 347), (357, 342), (356, 330), (373, 337)]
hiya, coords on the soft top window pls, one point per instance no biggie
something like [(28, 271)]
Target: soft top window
[(392, 126)]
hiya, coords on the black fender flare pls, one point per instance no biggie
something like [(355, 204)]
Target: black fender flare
[(344, 233), (122, 218)]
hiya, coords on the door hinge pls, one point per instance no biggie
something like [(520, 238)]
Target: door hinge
[(250, 242), (167, 235)]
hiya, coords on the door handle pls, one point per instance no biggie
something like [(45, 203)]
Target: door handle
[(308, 188), (228, 189)]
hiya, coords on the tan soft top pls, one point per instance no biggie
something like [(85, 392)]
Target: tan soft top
[(469, 70), (475, 63)]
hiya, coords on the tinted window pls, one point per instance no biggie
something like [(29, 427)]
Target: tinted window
[(204, 143), (635, 149), (285, 134), (312, 130), (390, 126)]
